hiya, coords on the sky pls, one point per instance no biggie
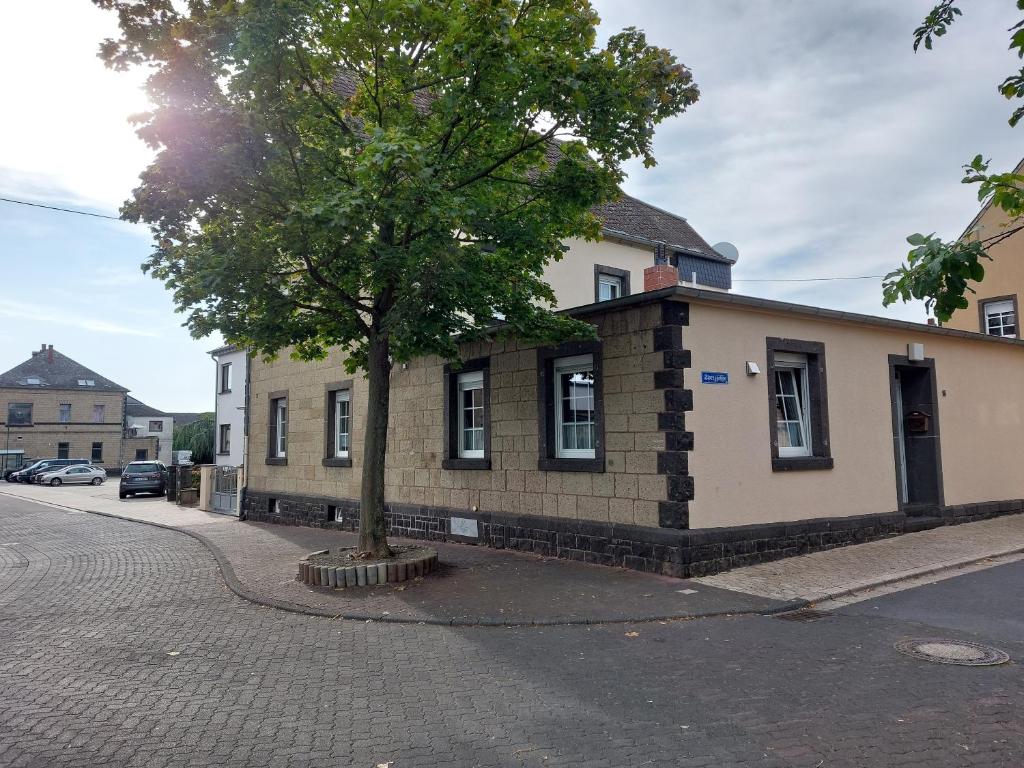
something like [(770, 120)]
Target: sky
[(819, 143)]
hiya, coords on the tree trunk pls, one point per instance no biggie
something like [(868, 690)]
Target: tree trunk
[(372, 532)]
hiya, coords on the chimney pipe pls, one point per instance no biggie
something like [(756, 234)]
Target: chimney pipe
[(49, 353)]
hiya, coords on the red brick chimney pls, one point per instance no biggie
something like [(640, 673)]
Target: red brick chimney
[(660, 276), (49, 353)]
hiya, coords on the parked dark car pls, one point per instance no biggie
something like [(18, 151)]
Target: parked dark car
[(143, 477), (30, 473), (27, 462)]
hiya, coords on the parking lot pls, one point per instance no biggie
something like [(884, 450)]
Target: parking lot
[(101, 498)]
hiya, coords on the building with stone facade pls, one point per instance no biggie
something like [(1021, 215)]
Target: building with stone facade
[(58, 408), (699, 430)]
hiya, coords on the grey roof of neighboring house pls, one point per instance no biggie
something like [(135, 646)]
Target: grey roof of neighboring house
[(54, 370), (627, 216), (181, 419), (635, 218), (136, 407)]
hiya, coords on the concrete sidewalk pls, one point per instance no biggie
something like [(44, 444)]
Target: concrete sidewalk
[(474, 586), (840, 572)]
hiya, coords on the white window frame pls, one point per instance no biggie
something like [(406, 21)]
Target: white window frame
[(560, 366), (225, 377), (281, 428), (342, 396), (1000, 310), (471, 380), (62, 413), (798, 366), (613, 283), (225, 445)]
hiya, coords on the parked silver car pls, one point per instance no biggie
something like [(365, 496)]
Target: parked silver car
[(78, 473)]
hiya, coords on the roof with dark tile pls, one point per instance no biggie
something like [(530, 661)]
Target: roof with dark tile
[(181, 419), (627, 216), (49, 369), (635, 218), (135, 407)]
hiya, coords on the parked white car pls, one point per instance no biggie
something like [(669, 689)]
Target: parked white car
[(78, 473)]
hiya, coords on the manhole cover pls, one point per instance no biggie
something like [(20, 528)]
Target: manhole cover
[(952, 652)]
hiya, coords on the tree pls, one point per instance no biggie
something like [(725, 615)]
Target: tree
[(939, 271), (196, 437), (384, 176)]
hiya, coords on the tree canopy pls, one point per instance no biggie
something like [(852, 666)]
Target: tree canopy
[(936, 271), (384, 176)]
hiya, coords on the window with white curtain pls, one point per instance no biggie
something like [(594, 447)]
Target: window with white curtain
[(575, 413), (471, 414), (342, 423), (792, 409)]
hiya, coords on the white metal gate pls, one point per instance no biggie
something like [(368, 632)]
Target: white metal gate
[(225, 490)]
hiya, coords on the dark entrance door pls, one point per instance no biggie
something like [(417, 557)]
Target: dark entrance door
[(915, 420)]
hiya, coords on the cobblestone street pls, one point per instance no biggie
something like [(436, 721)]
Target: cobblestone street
[(121, 645)]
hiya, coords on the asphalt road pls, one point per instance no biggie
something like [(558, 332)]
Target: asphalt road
[(987, 606), (120, 645)]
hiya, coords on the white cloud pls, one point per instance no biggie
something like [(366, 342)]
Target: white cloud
[(34, 313), (821, 140)]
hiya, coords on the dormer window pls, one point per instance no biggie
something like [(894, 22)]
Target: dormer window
[(33, 380), (86, 383)]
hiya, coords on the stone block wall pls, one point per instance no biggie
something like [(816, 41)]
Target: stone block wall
[(644, 482), (41, 440)]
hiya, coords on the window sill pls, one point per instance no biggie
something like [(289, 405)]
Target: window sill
[(571, 465), (460, 463), (277, 461), (223, 453), (336, 461), (800, 463)]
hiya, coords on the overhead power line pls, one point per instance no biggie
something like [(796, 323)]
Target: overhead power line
[(735, 280), (56, 208), (802, 279)]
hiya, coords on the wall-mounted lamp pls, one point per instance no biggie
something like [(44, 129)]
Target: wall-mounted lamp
[(752, 368), (915, 352)]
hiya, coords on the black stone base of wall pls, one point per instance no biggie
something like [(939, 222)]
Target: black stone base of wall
[(682, 553)]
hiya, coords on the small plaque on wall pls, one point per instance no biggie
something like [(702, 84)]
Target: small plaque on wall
[(464, 526), (714, 377)]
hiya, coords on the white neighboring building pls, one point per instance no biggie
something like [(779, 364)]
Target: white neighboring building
[(144, 421), (229, 412)]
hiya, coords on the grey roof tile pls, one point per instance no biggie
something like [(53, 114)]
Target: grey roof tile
[(49, 369)]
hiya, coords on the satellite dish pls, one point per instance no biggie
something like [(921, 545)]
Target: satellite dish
[(727, 250)]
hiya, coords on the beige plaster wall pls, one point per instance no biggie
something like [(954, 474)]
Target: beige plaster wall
[(627, 492), (572, 278), (1004, 274), (980, 385)]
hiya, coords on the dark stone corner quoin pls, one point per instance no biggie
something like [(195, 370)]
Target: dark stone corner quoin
[(673, 460), (680, 553)]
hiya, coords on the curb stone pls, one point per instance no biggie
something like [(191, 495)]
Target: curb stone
[(235, 585)]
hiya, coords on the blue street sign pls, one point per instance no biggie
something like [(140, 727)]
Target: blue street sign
[(714, 377)]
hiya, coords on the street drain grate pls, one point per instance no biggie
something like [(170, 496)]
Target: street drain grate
[(804, 615), (952, 652)]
